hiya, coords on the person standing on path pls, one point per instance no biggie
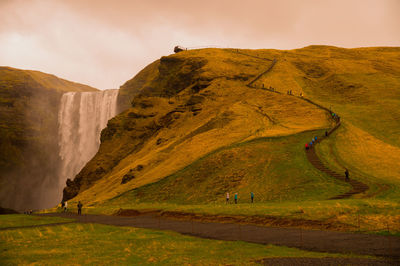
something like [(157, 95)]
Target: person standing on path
[(252, 196), (65, 206), (227, 197), (236, 198), (347, 175), (80, 208)]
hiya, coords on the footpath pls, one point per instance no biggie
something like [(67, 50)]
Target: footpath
[(387, 247)]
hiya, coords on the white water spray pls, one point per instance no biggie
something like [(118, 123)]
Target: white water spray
[(81, 118)]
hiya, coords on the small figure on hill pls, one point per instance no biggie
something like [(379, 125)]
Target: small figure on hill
[(312, 140), (310, 145), (301, 94), (62, 205), (227, 197), (326, 133), (347, 175), (236, 198), (65, 206), (80, 208), (315, 139), (252, 196), (307, 146)]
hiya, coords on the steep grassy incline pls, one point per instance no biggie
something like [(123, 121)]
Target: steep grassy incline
[(192, 117), (196, 103), (29, 102), (363, 86), (273, 168)]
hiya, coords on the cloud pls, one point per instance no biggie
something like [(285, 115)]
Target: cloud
[(104, 43)]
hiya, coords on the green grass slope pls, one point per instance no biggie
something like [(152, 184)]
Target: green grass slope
[(274, 169)]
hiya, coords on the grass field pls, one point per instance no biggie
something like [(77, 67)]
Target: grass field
[(16, 220), (100, 244)]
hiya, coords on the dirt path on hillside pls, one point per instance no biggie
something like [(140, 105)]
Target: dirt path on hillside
[(313, 240)]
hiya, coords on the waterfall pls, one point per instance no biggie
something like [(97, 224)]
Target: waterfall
[(81, 118)]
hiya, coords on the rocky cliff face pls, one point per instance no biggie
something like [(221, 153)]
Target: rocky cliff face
[(29, 160)]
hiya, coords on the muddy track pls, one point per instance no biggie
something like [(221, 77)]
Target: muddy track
[(313, 240)]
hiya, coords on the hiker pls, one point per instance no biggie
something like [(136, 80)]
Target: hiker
[(227, 197), (62, 205), (80, 208), (252, 196), (326, 133), (347, 175), (315, 138), (310, 145), (312, 140), (307, 146), (236, 198), (301, 94), (65, 206)]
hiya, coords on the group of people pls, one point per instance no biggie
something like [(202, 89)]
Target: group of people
[(236, 197), (64, 206), (336, 117), (310, 144)]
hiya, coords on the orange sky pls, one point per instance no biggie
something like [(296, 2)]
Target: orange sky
[(104, 43)]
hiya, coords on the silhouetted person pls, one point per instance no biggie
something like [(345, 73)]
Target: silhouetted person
[(227, 197), (307, 146), (236, 198), (347, 175), (326, 133), (80, 208), (252, 196), (65, 206)]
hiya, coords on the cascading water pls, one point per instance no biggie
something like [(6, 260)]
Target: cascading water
[(81, 118)]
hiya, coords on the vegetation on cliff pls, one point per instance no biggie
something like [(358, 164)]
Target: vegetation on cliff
[(29, 102)]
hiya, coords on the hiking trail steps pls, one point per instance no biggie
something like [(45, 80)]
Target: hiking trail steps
[(357, 186)]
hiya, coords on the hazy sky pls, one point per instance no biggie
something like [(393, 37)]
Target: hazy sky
[(104, 43)]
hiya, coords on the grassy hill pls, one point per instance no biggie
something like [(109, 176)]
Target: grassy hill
[(29, 102), (195, 131), (186, 106)]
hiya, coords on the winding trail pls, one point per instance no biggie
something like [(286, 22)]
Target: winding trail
[(313, 240), (357, 186)]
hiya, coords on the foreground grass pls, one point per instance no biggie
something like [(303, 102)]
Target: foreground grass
[(101, 244), (16, 220)]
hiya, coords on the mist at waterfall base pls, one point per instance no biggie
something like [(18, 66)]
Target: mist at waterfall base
[(73, 139)]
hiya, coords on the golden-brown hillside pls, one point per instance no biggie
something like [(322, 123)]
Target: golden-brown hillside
[(192, 103)]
